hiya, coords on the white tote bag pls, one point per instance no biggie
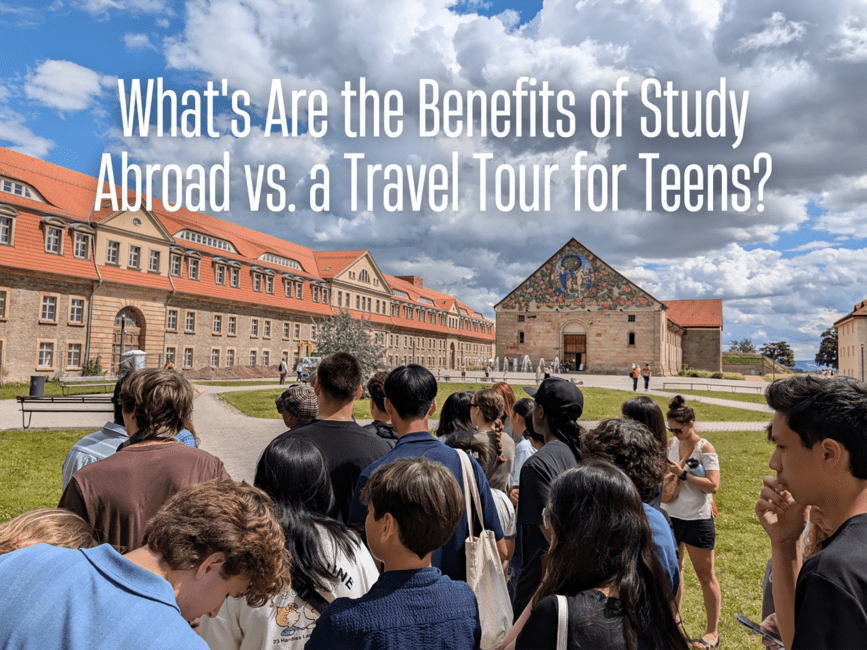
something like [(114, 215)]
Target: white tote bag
[(484, 570)]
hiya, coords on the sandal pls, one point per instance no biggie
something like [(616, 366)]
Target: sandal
[(706, 645)]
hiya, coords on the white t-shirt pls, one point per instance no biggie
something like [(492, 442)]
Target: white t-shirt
[(506, 513), (288, 621), (691, 503)]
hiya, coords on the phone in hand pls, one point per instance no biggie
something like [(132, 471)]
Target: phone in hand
[(755, 627)]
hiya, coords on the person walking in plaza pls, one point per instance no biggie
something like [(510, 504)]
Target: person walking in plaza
[(691, 512), (299, 371), (347, 447), (646, 372), (635, 373), (283, 369)]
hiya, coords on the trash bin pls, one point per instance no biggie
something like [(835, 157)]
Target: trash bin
[(37, 385)]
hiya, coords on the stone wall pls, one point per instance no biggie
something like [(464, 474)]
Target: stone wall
[(702, 348)]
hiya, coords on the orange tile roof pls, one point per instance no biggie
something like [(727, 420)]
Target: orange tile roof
[(695, 313), (332, 263), (860, 310)]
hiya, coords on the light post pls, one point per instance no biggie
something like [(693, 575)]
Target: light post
[(862, 362)]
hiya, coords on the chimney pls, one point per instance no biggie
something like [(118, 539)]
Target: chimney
[(412, 279)]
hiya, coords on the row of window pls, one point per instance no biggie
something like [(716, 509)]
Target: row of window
[(46, 350), (231, 325), (49, 310), (216, 359), (630, 338)]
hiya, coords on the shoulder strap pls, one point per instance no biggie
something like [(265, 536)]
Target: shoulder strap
[(471, 489), (562, 622)]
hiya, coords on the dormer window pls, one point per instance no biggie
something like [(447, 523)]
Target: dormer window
[(17, 188)]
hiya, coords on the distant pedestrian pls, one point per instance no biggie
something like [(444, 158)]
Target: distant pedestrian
[(635, 373), (463, 372), (283, 370), (646, 372), (170, 365), (299, 370)]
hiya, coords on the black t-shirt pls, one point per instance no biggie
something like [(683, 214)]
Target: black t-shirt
[(348, 449), (536, 475), (595, 621), (831, 593), (384, 431)]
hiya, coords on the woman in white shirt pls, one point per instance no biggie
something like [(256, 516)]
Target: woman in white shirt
[(328, 559), (691, 511)]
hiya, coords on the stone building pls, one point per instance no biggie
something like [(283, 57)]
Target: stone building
[(79, 284), (580, 310), (851, 341)]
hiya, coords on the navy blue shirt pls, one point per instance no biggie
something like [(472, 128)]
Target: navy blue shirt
[(451, 558)]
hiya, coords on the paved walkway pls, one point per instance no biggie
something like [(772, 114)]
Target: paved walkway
[(238, 439)]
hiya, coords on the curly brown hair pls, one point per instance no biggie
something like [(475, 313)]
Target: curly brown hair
[(227, 517)]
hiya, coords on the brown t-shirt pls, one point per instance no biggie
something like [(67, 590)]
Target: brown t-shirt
[(119, 494)]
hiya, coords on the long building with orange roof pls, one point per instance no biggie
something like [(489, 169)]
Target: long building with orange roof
[(79, 284), (577, 309)]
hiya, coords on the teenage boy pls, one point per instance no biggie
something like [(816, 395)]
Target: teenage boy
[(414, 505), (410, 398), (212, 540), (381, 424), (347, 447), (820, 434)]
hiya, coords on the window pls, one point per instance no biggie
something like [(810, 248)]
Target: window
[(170, 355), (254, 327), (282, 261), (172, 320), (297, 331), (520, 338), (73, 355), (299, 291), (357, 301), (520, 319), (81, 246), (193, 269), (154, 262), (287, 289), (188, 357), (325, 296), (218, 324), (220, 274), (235, 277), (46, 355), (76, 311), (631, 338), (49, 309), (257, 282), (315, 292), (630, 318), (230, 357), (112, 253), (269, 284), (252, 357), (231, 326), (266, 358), (53, 240), (134, 257), (313, 332), (4, 300), (6, 224), (215, 358), (176, 266), (285, 330), (191, 321), (199, 238), (266, 329)]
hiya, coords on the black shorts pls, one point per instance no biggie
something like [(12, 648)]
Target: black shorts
[(700, 533)]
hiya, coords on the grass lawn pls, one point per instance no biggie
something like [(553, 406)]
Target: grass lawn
[(30, 468), (724, 394), (10, 390), (599, 403), (240, 382), (30, 473)]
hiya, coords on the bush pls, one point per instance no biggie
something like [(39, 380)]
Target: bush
[(716, 375), (734, 375)]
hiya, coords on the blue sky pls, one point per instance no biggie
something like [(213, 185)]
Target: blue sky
[(785, 273)]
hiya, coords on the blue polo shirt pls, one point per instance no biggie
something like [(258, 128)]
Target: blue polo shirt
[(89, 599), (451, 558)]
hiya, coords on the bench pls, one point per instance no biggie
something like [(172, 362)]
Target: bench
[(681, 385), (67, 383), (98, 403)]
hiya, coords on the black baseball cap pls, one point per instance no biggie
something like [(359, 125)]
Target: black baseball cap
[(559, 398)]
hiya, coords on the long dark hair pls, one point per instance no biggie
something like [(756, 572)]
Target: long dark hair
[(643, 409), (455, 414), (293, 472), (602, 539)]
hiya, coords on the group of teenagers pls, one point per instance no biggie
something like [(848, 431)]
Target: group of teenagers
[(356, 537)]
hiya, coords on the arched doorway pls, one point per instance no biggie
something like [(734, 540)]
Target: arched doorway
[(128, 333), (574, 346), (452, 353)]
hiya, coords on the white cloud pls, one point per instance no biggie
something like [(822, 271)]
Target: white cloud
[(65, 85), (853, 42), (15, 135), (102, 7), (778, 32), (138, 42)]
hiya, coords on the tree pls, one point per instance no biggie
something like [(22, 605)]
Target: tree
[(745, 345), (827, 354), (779, 352), (343, 333)]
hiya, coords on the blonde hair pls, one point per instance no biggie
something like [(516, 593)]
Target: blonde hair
[(54, 526)]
